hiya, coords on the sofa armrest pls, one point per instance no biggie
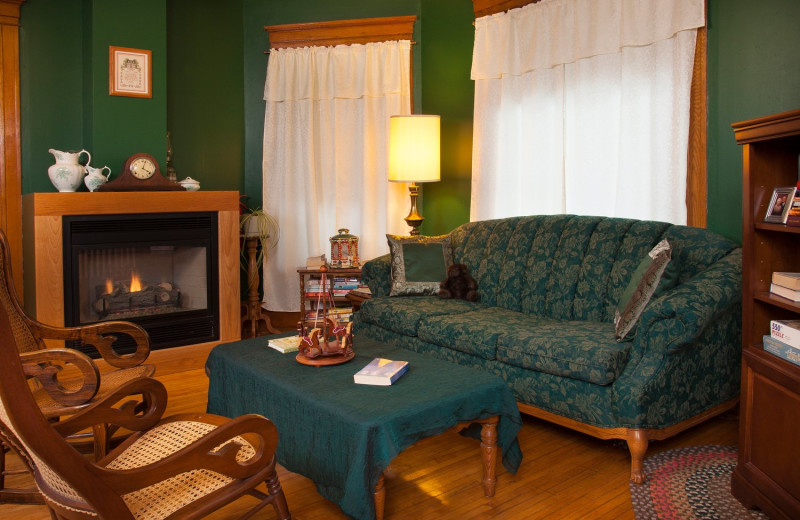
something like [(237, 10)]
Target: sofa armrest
[(686, 357), (377, 274), (680, 315)]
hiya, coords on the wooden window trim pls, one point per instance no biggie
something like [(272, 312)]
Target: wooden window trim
[(341, 32), (697, 165)]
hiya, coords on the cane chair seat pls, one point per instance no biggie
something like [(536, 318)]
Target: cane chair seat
[(164, 498)]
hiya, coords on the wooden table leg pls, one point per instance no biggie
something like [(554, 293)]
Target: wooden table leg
[(379, 497), (489, 453)]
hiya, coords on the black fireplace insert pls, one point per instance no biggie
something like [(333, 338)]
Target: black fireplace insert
[(158, 270)]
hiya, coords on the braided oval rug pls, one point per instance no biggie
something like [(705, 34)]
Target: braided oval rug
[(690, 483)]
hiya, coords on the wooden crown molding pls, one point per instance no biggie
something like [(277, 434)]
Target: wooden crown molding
[(341, 32), (487, 7)]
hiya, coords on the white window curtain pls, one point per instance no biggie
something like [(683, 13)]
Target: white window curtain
[(325, 137), (582, 106)]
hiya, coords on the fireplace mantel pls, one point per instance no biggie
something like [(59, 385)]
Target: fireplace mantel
[(43, 261)]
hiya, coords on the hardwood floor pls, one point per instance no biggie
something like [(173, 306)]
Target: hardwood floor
[(564, 474)]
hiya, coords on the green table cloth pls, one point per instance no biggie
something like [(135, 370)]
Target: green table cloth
[(342, 435)]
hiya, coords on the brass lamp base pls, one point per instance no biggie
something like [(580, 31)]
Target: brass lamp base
[(414, 219)]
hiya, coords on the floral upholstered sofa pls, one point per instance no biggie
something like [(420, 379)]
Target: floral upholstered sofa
[(549, 290)]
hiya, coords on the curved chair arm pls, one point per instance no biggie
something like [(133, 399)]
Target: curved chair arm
[(101, 336), (215, 451), (46, 365), (135, 414)]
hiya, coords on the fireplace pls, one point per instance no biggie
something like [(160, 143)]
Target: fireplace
[(203, 285), (156, 270)]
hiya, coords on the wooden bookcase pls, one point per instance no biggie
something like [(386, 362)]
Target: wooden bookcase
[(767, 475)]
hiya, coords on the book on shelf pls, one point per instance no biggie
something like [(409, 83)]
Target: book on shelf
[(285, 345), (793, 216), (786, 331), (783, 292), (381, 372), (782, 350), (786, 279), (316, 261)]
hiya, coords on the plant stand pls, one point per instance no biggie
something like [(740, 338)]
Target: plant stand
[(253, 314)]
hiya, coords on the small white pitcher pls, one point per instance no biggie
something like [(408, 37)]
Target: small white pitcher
[(94, 177), (66, 174)]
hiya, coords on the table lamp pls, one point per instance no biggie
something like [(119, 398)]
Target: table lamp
[(414, 156)]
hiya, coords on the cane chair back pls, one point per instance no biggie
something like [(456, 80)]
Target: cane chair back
[(29, 337)]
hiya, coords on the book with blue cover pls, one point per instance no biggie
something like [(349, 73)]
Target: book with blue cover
[(380, 371), (782, 350)]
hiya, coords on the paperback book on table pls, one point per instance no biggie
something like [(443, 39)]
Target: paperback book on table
[(782, 350), (380, 371), (285, 345), (786, 331)]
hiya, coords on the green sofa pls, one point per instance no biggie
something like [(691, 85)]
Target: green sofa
[(549, 287)]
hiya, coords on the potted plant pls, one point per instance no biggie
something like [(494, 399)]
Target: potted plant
[(258, 224)]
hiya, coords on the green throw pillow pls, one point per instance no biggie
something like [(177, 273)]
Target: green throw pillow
[(654, 275), (419, 263)]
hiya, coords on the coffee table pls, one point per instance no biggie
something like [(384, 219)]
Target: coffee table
[(342, 435)]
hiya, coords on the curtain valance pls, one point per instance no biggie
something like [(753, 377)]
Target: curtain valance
[(340, 72), (554, 32)]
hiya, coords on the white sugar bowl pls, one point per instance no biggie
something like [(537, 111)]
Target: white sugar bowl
[(190, 184)]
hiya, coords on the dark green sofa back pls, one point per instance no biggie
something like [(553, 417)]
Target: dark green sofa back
[(572, 267)]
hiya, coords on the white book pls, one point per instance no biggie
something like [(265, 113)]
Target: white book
[(380, 371), (786, 331), (783, 292), (285, 345)]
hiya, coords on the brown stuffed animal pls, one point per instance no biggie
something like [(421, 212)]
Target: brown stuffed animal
[(459, 284)]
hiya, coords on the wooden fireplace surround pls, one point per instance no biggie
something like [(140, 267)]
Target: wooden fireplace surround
[(43, 246)]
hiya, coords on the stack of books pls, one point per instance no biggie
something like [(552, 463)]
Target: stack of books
[(784, 340), (786, 285)]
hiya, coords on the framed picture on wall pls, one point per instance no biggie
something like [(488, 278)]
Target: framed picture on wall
[(779, 205), (130, 72)]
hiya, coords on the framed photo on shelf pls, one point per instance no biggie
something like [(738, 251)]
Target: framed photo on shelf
[(778, 208), (130, 72)]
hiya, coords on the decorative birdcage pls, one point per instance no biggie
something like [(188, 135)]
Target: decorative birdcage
[(344, 249)]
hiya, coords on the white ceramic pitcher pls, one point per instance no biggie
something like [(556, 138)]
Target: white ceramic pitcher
[(67, 174), (94, 177)]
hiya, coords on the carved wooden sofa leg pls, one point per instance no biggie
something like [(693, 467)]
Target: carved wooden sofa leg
[(637, 444)]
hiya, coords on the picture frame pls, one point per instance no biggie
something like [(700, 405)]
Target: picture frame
[(130, 72), (778, 209)]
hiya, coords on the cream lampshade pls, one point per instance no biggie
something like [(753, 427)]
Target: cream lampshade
[(414, 156)]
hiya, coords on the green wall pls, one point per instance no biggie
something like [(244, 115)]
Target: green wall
[(205, 99), (209, 94), (753, 71), (64, 83)]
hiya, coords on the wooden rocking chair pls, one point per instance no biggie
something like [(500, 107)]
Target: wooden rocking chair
[(181, 467), (29, 336)]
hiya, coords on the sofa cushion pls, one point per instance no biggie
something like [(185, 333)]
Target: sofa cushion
[(581, 350), (655, 274), (418, 263), (473, 332), (403, 314)]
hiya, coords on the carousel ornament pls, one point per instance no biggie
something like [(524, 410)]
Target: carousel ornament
[(330, 344)]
